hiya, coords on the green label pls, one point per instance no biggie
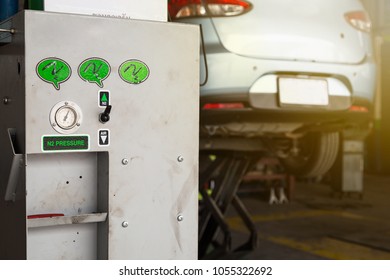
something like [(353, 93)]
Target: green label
[(54, 71), (104, 98), (134, 71), (94, 70), (65, 143)]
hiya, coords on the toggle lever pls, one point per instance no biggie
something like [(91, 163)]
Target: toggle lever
[(105, 116)]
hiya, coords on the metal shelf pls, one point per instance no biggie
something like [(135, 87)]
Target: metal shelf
[(67, 220)]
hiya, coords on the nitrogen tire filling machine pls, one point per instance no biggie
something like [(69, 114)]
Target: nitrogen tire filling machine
[(99, 137)]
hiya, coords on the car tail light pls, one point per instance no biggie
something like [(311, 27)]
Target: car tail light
[(209, 106), (213, 8), (359, 20), (361, 109)]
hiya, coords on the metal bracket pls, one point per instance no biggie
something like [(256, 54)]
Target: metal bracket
[(16, 167)]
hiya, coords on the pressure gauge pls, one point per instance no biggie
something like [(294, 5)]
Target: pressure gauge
[(65, 117)]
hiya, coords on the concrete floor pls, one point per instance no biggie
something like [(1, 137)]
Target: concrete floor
[(317, 225)]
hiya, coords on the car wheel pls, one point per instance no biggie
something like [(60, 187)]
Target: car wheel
[(317, 154)]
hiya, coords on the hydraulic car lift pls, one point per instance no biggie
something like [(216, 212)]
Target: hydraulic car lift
[(227, 170), (233, 162)]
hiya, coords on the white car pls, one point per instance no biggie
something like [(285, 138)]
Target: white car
[(287, 77)]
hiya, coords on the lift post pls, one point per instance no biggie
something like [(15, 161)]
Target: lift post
[(347, 173), (99, 133)]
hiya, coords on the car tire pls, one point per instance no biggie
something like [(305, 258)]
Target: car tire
[(318, 154)]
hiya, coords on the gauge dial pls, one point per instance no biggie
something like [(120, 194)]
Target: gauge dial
[(66, 117)]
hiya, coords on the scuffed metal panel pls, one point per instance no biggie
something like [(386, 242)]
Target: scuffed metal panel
[(146, 178)]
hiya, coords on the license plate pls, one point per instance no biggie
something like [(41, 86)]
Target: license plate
[(303, 91)]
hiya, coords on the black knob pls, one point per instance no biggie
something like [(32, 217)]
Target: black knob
[(105, 116)]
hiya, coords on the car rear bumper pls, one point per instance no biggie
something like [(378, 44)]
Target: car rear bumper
[(252, 122), (230, 74), (359, 111)]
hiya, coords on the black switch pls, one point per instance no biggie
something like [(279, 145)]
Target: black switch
[(105, 116)]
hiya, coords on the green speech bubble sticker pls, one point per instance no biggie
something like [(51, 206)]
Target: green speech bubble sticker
[(54, 71), (94, 70), (134, 71)]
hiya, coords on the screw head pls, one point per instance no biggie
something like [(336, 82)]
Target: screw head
[(125, 224), (125, 161), (180, 218), (180, 158)]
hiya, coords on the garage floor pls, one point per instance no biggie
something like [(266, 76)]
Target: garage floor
[(317, 225)]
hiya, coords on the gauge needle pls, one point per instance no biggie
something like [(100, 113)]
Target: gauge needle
[(66, 116)]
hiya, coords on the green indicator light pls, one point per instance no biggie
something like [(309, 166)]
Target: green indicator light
[(65, 143)]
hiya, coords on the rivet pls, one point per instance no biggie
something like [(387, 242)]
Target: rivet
[(180, 158), (125, 224), (125, 161), (180, 218), (6, 100)]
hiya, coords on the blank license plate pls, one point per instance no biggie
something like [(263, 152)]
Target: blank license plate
[(299, 91)]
